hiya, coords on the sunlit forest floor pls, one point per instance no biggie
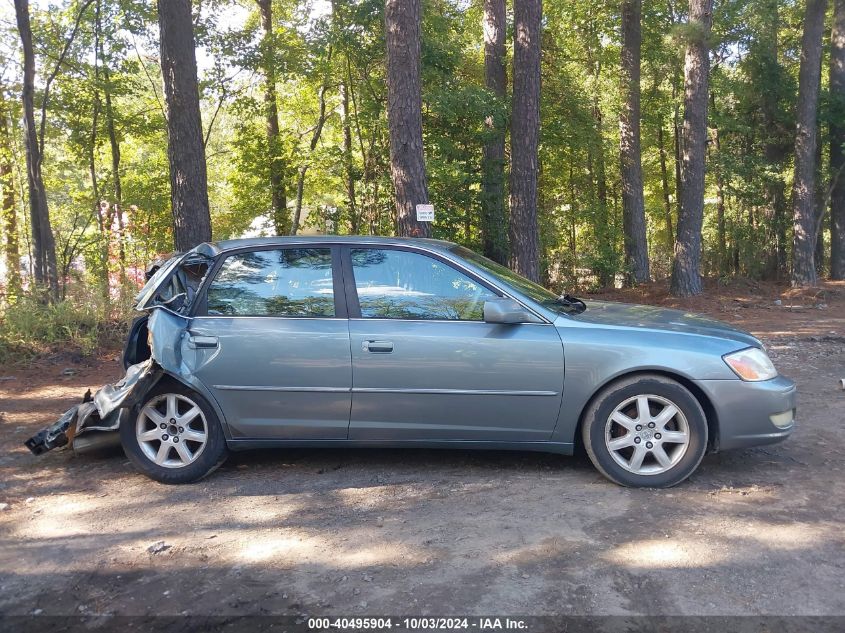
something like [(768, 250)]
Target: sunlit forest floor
[(439, 532), (764, 308)]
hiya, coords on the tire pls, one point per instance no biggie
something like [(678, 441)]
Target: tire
[(663, 450), (193, 438)]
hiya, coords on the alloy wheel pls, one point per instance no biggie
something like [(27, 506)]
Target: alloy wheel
[(171, 430), (647, 434)]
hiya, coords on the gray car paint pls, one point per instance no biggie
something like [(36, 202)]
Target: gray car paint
[(455, 381), (660, 320), (298, 382), (276, 378)]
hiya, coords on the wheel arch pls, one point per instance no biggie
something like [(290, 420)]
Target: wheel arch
[(710, 414), (197, 388)]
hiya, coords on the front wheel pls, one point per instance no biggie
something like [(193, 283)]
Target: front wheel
[(174, 436), (645, 431)]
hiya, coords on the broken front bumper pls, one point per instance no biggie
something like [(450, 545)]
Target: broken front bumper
[(100, 413)]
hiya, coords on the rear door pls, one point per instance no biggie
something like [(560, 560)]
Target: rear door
[(271, 343), (427, 367)]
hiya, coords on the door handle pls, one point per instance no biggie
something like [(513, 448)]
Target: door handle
[(202, 342), (378, 347)]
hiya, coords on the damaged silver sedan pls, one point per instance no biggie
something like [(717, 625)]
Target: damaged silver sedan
[(358, 341)]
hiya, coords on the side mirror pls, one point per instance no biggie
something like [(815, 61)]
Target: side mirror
[(506, 311)]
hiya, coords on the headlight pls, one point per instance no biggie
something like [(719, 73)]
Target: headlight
[(751, 364)]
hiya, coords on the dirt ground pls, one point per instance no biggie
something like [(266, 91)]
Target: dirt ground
[(315, 532)]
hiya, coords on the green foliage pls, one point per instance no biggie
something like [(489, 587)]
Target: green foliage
[(755, 60), (77, 326)]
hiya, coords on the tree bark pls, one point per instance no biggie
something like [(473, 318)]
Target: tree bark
[(493, 216), (185, 149), (348, 164), (114, 144), (804, 181), (404, 114), (721, 233), (633, 204), (664, 181), (300, 190), (117, 207), (525, 129), (775, 150), (821, 198), (837, 142), (43, 242), (9, 214), (676, 124), (686, 268), (607, 272), (102, 224), (277, 165)]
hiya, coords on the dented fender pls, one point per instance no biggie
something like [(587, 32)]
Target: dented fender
[(102, 412)]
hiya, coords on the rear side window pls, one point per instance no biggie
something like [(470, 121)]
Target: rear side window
[(290, 282), (394, 284)]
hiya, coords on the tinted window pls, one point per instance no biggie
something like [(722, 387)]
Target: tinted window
[(395, 284), (291, 282)]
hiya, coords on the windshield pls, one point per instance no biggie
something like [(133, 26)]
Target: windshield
[(532, 290)]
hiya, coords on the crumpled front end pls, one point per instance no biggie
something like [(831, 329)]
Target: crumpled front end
[(154, 348), (100, 413)]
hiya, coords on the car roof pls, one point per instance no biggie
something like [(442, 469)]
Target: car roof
[(222, 246)]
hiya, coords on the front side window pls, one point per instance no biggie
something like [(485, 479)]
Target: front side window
[(506, 276), (290, 282), (395, 284)]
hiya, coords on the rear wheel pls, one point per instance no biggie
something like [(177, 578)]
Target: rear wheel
[(174, 436), (645, 431)]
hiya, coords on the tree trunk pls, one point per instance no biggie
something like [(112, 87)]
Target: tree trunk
[(369, 183), (837, 142), (821, 198), (573, 216), (803, 188), (404, 114), (114, 143), (348, 164), (774, 150), (43, 242), (118, 186), (525, 129), (300, 189), (664, 181), (185, 148), (277, 165), (676, 144), (493, 216), (686, 269), (607, 273), (721, 234), (633, 204), (676, 124), (9, 213), (315, 138), (102, 224)]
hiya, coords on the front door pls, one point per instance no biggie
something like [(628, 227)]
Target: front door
[(271, 343), (427, 367)]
